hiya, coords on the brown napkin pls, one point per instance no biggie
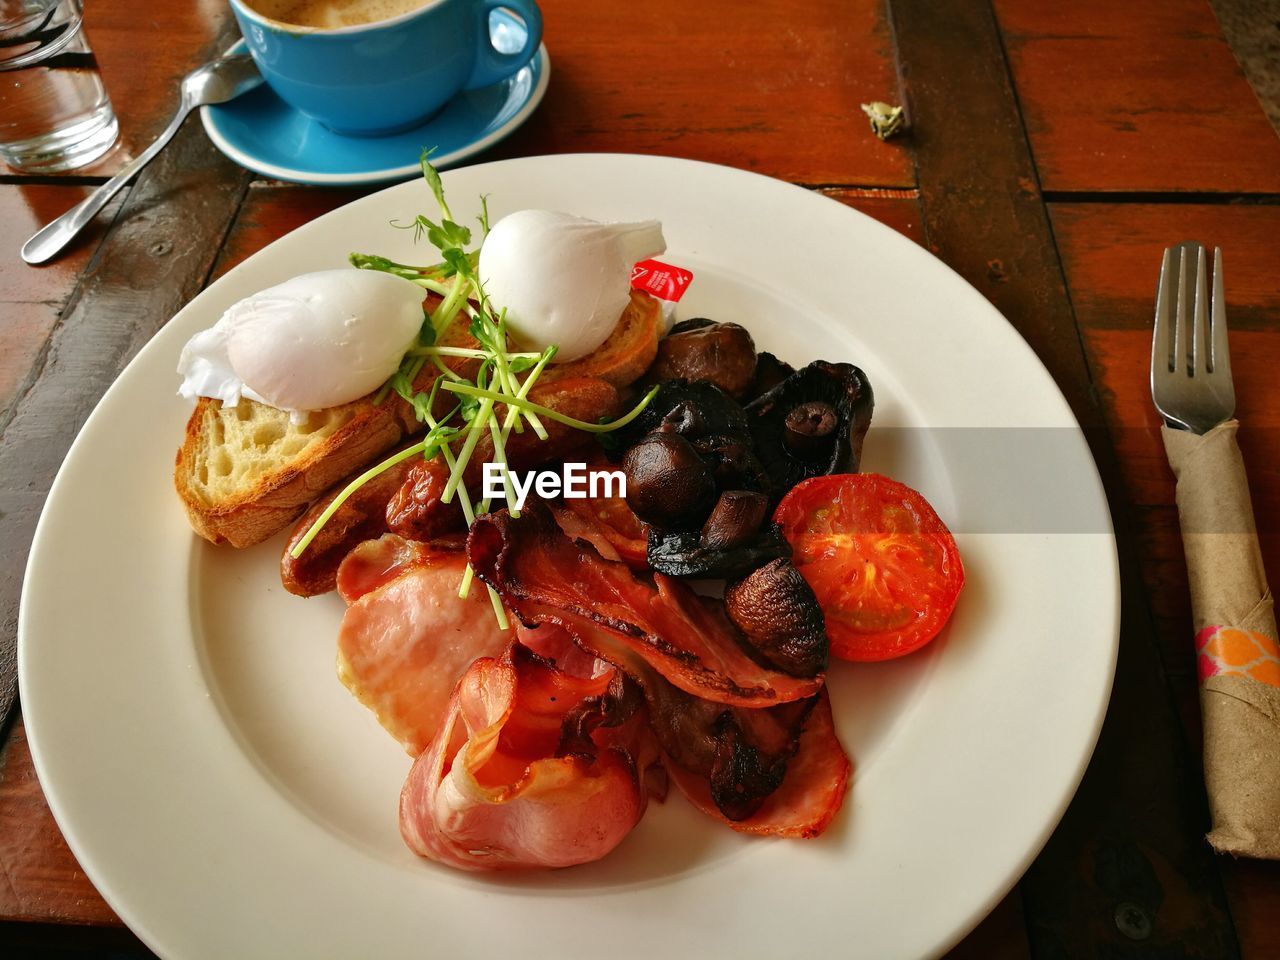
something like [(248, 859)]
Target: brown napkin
[(1238, 657)]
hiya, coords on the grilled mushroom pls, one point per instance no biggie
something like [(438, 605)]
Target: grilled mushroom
[(812, 423), (690, 409), (779, 615), (667, 483), (735, 519), (720, 353), (770, 371), (681, 553)]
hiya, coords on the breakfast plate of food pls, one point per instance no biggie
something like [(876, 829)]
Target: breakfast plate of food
[(570, 550)]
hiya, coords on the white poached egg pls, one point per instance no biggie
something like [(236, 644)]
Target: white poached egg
[(562, 279), (318, 340)]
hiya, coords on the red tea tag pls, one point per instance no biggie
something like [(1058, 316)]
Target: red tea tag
[(661, 279)]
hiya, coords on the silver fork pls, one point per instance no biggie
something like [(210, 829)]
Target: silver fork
[(1190, 364)]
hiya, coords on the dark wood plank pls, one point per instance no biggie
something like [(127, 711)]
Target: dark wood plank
[(156, 257), (1112, 252), (1254, 887), (31, 299), (1002, 935), (1117, 850), (47, 941), (40, 880), (1136, 97), (269, 211), (23, 333)]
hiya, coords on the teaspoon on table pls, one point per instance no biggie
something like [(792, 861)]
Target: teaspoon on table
[(215, 82)]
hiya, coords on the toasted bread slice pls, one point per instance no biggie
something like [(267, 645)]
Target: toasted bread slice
[(246, 472), (627, 354)]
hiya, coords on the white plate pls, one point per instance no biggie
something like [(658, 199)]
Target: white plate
[(229, 799)]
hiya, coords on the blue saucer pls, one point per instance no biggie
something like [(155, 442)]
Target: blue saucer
[(262, 132)]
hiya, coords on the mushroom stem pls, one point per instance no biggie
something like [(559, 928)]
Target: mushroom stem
[(735, 520), (809, 429)]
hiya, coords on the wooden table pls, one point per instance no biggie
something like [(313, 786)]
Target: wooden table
[(1056, 149)]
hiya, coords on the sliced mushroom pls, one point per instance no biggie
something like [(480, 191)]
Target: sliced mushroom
[(778, 614), (733, 462), (809, 430)]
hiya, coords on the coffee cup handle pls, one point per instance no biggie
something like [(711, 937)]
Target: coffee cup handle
[(491, 64)]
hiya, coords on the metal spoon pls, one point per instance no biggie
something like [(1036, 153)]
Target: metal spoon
[(215, 82)]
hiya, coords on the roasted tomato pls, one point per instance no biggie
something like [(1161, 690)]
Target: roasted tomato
[(884, 568)]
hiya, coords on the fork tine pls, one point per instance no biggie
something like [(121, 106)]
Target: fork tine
[(1162, 339), (1200, 333), (1181, 342), (1220, 358)]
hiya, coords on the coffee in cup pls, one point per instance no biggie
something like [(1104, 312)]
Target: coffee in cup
[(329, 14)]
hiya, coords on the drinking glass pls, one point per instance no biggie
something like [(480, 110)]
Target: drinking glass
[(54, 111)]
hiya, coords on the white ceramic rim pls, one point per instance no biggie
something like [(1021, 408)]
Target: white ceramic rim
[(54, 558), (442, 161)]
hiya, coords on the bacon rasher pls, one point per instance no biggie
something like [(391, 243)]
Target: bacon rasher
[(691, 643), (533, 767), (406, 638)]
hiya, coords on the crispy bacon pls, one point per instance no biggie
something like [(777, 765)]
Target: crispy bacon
[(406, 638), (541, 574), (533, 767), (729, 760), (606, 522), (808, 797)]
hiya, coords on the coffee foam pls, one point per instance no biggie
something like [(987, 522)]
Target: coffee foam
[(330, 14)]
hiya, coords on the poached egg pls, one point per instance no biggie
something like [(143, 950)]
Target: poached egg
[(563, 280), (318, 340)]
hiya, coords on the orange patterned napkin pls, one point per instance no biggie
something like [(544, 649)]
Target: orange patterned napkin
[(1237, 654)]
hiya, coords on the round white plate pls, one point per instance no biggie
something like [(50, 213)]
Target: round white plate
[(230, 799)]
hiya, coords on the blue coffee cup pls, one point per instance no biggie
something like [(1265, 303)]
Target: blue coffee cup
[(383, 77)]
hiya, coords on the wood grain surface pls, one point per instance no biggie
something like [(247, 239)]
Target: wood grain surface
[(1113, 858), (1136, 97), (774, 88), (1013, 102)]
